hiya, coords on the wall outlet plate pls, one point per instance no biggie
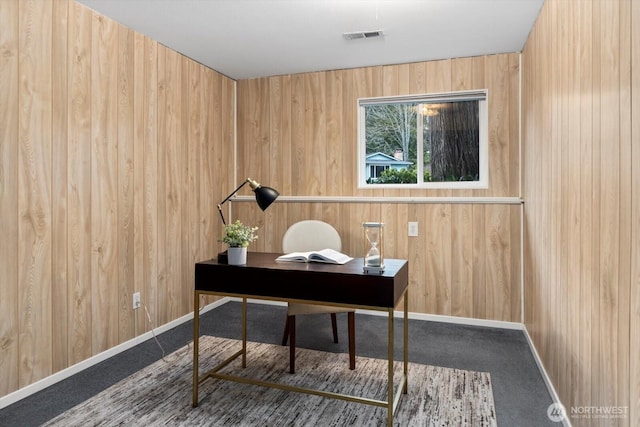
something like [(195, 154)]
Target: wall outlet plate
[(136, 300), (412, 229)]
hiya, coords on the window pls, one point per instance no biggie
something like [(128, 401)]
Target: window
[(423, 141), (376, 170)]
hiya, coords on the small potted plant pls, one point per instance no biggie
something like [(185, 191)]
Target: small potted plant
[(238, 236)]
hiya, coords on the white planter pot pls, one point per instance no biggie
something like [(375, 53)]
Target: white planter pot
[(237, 256)]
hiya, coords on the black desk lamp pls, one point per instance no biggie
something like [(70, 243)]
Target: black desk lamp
[(264, 197)]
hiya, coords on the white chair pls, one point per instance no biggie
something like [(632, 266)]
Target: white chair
[(305, 236)]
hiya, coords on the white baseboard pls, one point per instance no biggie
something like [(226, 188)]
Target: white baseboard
[(547, 381), (93, 360), (416, 316)]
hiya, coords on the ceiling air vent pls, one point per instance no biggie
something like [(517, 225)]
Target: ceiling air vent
[(362, 34)]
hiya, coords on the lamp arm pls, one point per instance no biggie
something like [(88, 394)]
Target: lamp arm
[(221, 215), (228, 197)]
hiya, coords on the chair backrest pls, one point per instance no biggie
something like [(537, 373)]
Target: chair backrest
[(310, 235)]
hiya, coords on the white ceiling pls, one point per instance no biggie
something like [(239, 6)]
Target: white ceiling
[(257, 38)]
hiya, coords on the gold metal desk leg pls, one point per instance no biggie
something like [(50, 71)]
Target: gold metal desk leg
[(406, 341), (390, 373), (244, 332), (196, 339)]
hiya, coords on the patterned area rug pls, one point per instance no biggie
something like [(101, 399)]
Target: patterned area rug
[(161, 393)]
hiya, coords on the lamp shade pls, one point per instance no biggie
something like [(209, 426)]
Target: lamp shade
[(265, 196)]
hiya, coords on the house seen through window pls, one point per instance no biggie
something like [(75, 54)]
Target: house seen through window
[(437, 141)]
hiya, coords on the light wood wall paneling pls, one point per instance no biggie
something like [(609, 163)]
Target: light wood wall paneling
[(588, 183), (9, 145), (634, 332), (125, 178), (197, 172), (205, 178), (101, 161), (298, 174), (515, 263), (498, 67), (150, 104), (188, 146), (480, 261), (625, 203), (79, 149), (34, 184), (196, 128), (315, 143), (349, 129), (580, 203), (333, 114), (554, 252), (323, 139), (437, 251), (172, 196), (512, 142), (208, 222), (498, 247), (221, 158), (226, 157), (163, 135), (104, 183), (454, 261), (255, 154), (223, 170), (395, 235), (569, 179), (610, 377), (461, 260), (138, 188), (164, 111), (313, 120), (280, 151), (596, 92), (59, 290), (353, 239), (182, 145)]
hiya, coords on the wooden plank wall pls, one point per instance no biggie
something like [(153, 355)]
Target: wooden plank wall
[(297, 133), (113, 152), (581, 133)]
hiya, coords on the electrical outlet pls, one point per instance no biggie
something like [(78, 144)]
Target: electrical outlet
[(136, 300), (413, 229)]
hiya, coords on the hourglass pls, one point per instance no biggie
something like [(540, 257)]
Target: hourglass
[(373, 260)]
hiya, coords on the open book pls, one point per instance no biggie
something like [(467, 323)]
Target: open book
[(329, 256)]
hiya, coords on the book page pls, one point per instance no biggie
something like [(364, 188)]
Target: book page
[(295, 257), (330, 256), (326, 255)]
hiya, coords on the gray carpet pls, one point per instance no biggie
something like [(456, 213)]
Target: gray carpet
[(519, 392), (161, 393)]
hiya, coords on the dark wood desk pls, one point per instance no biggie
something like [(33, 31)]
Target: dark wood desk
[(311, 283)]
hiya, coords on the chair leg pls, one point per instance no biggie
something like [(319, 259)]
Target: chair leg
[(285, 336), (292, 344), (334, 326), (352, 339)]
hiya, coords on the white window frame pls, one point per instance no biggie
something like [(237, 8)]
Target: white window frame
[(483, 122)]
